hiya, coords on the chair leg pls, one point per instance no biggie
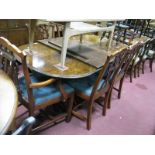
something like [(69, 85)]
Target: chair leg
[(143, 64), (89, 115), (109, 99), (138, 69), (31, 112), (151, 63), (70, 107), (131, 75), (135, 67), (120, 88), (105, 104)]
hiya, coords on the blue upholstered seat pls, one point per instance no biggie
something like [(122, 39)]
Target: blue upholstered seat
[(44, 93), (85, 85), (151, 53), (1, 66), (144, 57)]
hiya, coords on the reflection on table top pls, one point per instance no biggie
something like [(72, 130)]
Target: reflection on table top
[(8, 102), (44, 58)]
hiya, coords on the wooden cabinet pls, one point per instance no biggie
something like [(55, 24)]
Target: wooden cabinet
[(14, 30)]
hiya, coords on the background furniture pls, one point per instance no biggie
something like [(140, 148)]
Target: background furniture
[(79, 28), (14, 30)]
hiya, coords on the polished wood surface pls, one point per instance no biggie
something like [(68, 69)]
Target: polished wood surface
[(94, 40), (142, 39), (43, 59), (8, 102), (92, 52)]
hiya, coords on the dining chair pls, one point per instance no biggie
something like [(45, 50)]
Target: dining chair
[(135, 63), (149, 54), (140, 57), (150, 28), (121, 30), (95, 86), (37, 91), (121, 64), (56, 30), (143, 57), (123, 70), (42, 31)]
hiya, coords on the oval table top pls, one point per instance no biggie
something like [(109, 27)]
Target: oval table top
[(8, 102), (44, 58)]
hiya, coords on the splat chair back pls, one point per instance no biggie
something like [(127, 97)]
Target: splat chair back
[(8, 61), (93, 87), (131, 53), (118, 66), (109, 72), (136, 50), (150, 53)]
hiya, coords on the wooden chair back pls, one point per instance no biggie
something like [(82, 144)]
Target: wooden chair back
[(150, 45), (109, 70), (131, 53), (8, 57), (136, 51), (57, 30), (8, 62)]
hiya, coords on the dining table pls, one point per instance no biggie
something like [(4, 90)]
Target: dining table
[(8, 102), (142, 39), (82, 60)]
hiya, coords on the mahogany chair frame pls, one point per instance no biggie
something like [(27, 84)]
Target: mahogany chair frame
[(103, 91), (119, 73), (150, 46), (132, 67), (123, 70), (30, 102)]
